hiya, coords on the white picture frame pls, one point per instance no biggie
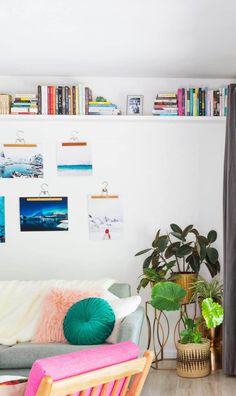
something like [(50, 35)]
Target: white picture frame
[(134, 105)]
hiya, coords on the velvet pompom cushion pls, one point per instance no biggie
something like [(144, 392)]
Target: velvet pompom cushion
[(89, 322), (55, 306)]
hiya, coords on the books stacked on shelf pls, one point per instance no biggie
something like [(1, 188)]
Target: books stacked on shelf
[(165, 105), (202, 102), (5, 103), (25, 104), (56, 100), (102, 107)]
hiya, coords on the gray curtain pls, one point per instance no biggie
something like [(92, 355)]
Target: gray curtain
[(229, 207)]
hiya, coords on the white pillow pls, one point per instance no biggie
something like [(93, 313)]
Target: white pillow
[(122, 307)]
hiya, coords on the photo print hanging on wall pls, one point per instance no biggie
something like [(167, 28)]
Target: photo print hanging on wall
[(2, 220), (105, 217), (20, 160), (74, 159), (44, 214)]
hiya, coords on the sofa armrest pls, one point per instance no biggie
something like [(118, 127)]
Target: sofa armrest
[(131, 326)]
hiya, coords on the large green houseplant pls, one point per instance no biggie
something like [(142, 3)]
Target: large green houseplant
[(167, 296), (179, 254)]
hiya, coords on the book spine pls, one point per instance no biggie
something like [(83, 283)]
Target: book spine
[(78, 100), (81, 105), (39, 99), (218, 102), (67, 100), (59, 100), (225, 104), (56, 101), (195, 99), (49, 100), (74, 100), (86, 100), (200, 102), (179, 93), (63, 101), (191, 101)]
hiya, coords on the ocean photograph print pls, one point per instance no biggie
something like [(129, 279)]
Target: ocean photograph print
[(44, 214), (74, 159), (21, 161), (2, 219), (105, 218)]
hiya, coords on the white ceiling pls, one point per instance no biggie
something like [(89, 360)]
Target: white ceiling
[(146, 38)]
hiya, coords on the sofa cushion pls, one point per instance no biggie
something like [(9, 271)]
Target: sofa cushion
[(23, 355)]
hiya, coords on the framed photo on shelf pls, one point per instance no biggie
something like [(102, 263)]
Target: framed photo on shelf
[(134, 105)]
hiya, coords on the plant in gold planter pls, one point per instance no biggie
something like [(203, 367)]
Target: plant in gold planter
[(193, 351), (178, 255)]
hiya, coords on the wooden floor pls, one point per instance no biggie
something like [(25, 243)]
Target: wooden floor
[(167, 383)]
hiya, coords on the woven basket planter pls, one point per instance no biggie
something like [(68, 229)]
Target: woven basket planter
[(185, 280), (193, 360)]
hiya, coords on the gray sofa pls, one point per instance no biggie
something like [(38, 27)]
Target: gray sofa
[(18, 359)]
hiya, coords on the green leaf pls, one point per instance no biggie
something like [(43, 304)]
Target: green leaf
[(176, 228), (143, 283), (187, 230), (212, 312), (194, 262), (201, 248), (212, 236), (178, 236), (170, 251), (154, 243), (162, 243), (202, 239), (183, 250), (166, 296), (147, 261), (212, 268), (143, 251), (195, 232), (212, 255), (171, 264)]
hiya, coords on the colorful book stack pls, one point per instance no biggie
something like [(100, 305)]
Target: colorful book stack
[(165, 105), (25, 104), (5, 103), (103, 108), (202, 102), (56, 100)]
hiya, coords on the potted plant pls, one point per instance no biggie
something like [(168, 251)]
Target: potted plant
[(185, 250), (213, 289), (193, 351)]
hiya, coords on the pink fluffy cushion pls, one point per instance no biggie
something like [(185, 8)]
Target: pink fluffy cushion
[(54, 308)]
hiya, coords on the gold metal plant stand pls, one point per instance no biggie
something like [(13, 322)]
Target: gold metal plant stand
[(159, 331)]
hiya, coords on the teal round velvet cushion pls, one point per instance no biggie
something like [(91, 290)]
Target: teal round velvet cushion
[(89, 322)]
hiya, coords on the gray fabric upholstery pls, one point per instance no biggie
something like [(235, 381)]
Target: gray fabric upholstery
[(24, 354), (18, 359)]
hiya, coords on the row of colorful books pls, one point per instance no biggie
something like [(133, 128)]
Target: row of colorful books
[(103, 108), (192, 102), (64, 99), (25, 104)]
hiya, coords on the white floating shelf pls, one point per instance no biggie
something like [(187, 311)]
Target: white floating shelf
[(88, 118)]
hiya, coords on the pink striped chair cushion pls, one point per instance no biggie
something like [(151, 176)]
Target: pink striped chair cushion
[(75, 363)]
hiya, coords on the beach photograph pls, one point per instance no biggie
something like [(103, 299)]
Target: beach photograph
[(74, 159), (44, 214), (2, 219), (21, 161), (105, 218)]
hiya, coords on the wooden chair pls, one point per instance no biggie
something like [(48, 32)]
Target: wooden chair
[(128, 377)]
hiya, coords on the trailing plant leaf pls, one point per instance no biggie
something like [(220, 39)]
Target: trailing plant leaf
[(170, 264), (143, 251), (176, 228), (212, 313), (166, 296), (212, 236), (143, 283)]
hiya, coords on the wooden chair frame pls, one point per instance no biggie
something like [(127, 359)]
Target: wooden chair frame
[(136, 369)]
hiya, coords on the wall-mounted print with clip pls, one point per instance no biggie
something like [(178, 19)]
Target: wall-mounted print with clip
[(135, 104), (74, 159), (44, 214), (2, 219), (21, 161), (105, 217)]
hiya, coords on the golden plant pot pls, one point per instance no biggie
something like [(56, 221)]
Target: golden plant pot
[(193, 360), (185, 279)]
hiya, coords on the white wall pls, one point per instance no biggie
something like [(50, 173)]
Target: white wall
[(165, 171)]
